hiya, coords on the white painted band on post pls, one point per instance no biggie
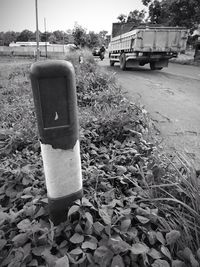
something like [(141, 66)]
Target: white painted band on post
[(62, 170)]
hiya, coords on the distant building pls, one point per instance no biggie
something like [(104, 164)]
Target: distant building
[(27, 44)]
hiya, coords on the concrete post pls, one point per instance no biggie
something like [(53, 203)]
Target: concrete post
[(54, 92)]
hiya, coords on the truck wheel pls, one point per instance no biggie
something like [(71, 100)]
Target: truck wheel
[(112, 63), (152, 66), (123, 62)]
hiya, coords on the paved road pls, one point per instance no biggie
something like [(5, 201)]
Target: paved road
[(172, 97)]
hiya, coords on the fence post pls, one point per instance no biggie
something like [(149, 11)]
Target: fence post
[(54, 93)]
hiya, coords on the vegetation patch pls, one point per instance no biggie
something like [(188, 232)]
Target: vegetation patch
[(140, 208)]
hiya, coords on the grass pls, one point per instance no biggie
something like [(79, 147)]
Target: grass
[(176, 193)]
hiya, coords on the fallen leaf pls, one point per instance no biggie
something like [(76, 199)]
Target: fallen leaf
[(160, 238), (117, 261), (193, 261), (172, 237), (89, 217), (142, 219), (166, 252), (89, 245), (139, 248), (62, 262), (76, 259), (103, 256), (155, 254), (3, 217), (117, 245), (34, 263), (152, 237), (20, 239), (106, 214), (3, 242), (24, 225), (73, 209), (37, 251), (41, 212), (98, 227), (186, 253), (160, 263), (125, 224), (76, 238), (178, 263), (198, 253), (76, 251), (121, 170), (49, 258)]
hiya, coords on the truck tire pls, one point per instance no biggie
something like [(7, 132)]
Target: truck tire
[(112, 63), (152, 66), (123, 61)]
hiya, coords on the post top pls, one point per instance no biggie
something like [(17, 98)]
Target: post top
[(53, 68)]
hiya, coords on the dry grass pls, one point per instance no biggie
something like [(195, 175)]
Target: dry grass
[(176, 192)]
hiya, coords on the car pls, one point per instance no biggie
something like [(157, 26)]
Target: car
[(71, 47)]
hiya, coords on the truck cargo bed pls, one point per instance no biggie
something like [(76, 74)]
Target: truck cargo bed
[(156, 39)]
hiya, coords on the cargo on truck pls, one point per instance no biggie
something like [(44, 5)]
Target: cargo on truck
[(145, 44)]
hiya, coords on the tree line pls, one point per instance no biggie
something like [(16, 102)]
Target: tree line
[(78, 36), (183, 13)]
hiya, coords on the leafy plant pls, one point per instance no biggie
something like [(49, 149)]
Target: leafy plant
[(139, 208)]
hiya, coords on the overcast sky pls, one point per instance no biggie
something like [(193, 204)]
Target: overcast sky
[(94, 15)]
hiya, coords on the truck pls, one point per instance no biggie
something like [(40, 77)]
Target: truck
[(134, 46)]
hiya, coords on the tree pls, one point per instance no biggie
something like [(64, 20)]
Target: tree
[(25, 36), (79, 34), (122, 18), (8, 37), (92, 39), (52, 39), (1, 38), (102, 37), (70, 37), (44, 37), (136, 16), (184, 13), (59, 35), (158, 13)]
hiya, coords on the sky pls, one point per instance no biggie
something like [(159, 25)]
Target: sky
[(93, 15)]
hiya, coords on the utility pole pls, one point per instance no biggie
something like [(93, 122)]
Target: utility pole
[(45, 37), (37, 32), (63, 42)]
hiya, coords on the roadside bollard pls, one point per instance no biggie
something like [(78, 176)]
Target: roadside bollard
[(54, 93)]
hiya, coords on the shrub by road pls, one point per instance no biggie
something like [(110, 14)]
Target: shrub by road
[(140, 208)]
